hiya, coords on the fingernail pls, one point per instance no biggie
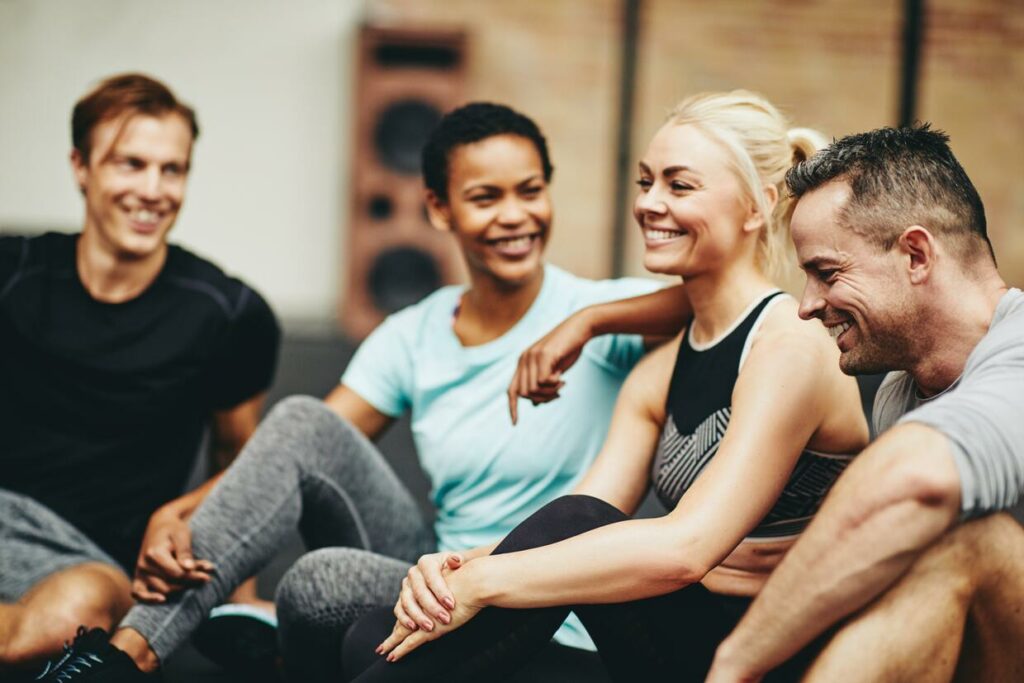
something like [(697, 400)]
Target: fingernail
[(428, 625), (449, 603), (391, 657), (444, 618), (380, 649), (410, 625)]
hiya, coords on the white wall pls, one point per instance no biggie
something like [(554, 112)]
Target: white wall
[(270, 81)]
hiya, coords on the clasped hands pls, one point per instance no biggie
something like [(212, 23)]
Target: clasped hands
[(165, 564), (436, 599)]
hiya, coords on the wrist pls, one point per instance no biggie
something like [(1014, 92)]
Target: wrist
[(478, 585), (591, 321), (729, 657)]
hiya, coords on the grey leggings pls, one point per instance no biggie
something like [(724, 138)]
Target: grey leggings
[(304, 468)]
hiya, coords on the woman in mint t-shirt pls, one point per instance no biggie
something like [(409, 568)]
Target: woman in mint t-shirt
[(445, 360)]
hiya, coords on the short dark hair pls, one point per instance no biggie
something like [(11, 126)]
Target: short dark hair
[(900, 177), (114, 96), (470, 123)]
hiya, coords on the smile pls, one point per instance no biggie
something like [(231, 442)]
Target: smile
[(836, 330), (514, 245), (652, 234)]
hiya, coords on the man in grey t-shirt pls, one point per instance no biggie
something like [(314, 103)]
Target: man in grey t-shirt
[(892, 236)]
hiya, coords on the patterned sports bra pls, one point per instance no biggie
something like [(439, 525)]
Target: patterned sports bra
[(697, 414)]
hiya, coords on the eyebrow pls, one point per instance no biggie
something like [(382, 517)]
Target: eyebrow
[(492, 186), (669, 171), (815, 262)]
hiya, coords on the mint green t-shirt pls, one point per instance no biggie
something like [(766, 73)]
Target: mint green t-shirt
[(486, 474)]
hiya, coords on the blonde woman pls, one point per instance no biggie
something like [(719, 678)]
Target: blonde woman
[(741, 424)]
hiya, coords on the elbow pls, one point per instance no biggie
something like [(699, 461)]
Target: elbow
[(684, 568)]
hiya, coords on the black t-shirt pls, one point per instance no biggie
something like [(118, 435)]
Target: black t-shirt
[(103, 406)]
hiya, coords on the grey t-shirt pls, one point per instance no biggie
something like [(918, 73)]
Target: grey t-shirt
[(982, 413)]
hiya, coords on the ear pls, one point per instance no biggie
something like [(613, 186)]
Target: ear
[(920, 247), (755, 221), (438, 212), (80, 168)]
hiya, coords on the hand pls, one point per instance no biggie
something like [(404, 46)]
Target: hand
[(165, 563), (404, 640), (538, 376), (425, 592)]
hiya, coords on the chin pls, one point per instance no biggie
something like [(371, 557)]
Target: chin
[(663, 264)]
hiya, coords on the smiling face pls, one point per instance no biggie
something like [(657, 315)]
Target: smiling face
[(856, 290), (691, 207), (498, 207), (134, 182)]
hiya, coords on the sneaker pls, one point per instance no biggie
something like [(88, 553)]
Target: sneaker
[(239, 638), (91, 657)]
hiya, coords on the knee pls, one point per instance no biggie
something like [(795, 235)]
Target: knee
[(301, 593), (91, 596), (299, 410), (560, 519)]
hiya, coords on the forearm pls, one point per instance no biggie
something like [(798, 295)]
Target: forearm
[(879, 518), (658, 314), (623, 561)]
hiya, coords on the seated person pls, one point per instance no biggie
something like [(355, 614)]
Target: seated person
[(447, 361), (741, 424), (117, 351), (905, 559)]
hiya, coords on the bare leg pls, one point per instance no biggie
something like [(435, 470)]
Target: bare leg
[(246, 594), (36, 627), (915, 631)]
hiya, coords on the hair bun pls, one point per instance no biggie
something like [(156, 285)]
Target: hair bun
[(805, 142)]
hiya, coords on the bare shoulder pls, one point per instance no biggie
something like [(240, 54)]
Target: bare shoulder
[(784, 332)]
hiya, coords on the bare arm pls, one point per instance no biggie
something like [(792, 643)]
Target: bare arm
[(657, 316), (899, 496), (636, 559), (355, 409)]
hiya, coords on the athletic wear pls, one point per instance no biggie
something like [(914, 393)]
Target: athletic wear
[(304, 468), (91, 657), (102, 406), (697, 415), (36, 542), (981, 414), (487, 474), (672, 637)]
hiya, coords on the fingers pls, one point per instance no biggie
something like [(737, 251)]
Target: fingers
[(412, 607), (431, 571), (181, 544), (425, 597), (410, 643), (399, 633), (403, 618)]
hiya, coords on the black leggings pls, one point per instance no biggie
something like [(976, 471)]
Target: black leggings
[(669, 637)]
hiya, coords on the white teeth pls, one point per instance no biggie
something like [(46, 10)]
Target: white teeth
[(655, 234), (514, 242), (145, 216), (836, 330)]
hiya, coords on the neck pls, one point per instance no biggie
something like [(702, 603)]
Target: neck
[(718, 298), (949, 334), (111, 277), (490, 308)]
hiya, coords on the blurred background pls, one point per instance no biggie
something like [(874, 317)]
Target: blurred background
[(287, 103), (304, 178)]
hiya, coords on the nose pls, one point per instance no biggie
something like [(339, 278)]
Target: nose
[(512, 213), (649, 202), (812, 303), (151, 183)]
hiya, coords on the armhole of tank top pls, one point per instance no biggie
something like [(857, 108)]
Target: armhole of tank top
[(756, 326)]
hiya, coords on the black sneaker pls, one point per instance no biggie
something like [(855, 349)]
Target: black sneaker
[(240, 638), (92, 658)]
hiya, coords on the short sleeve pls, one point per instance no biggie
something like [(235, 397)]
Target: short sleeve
[(244, 364), (983, 419), (381, 371), (12, 252), (621, 351)]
